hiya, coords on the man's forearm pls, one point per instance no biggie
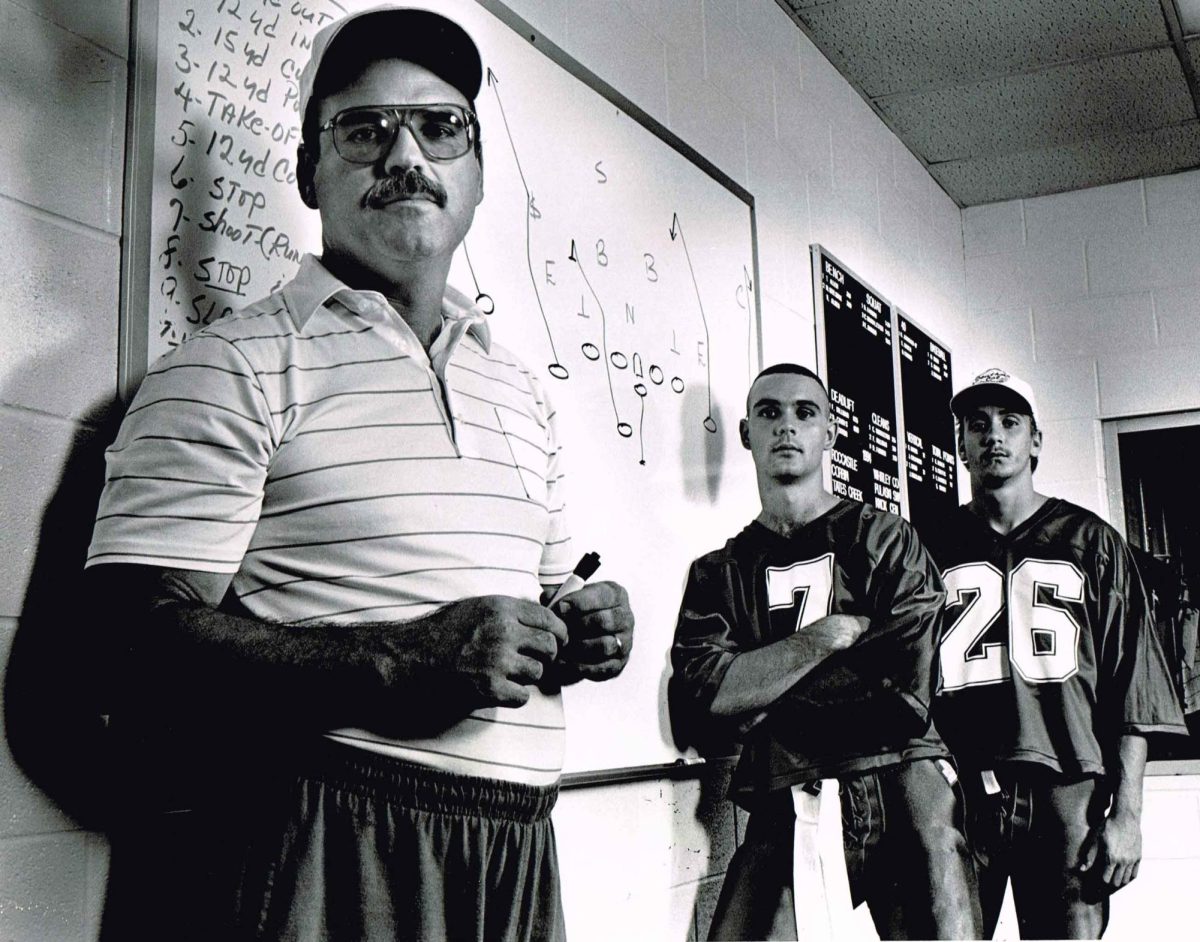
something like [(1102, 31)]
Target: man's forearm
[(758, 678), (187, 657), (191, 657), (188, 653), (1131, 769)]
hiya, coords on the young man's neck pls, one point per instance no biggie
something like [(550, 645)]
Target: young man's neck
[(789, 507), (416, 293), (1007, 505)]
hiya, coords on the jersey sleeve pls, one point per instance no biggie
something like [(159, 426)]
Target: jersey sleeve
[(185, 476), (886, 678), (907, 596), (1134, 668), (703, 649)]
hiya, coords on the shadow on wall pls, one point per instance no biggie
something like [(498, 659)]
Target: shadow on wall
[(715, 813), (58, 684), (718, 816), (63, 282), (78, 725), (702, 479)]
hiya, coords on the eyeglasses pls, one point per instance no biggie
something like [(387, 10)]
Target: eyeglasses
[(366, 134)]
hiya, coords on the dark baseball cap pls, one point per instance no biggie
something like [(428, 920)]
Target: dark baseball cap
[(391, 31)]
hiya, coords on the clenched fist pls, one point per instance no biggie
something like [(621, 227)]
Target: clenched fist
[(486, 651)]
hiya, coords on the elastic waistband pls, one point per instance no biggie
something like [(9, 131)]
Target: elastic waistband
[(424, 789)]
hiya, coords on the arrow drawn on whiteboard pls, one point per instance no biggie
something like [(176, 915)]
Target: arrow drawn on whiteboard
[(677, 232), (482, 299), (641, 431), (624, 429), (640, 389), (557, 370)]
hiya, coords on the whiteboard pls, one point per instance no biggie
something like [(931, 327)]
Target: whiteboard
[(617, 263)]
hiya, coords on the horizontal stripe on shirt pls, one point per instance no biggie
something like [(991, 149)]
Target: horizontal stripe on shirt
[(313, 455)]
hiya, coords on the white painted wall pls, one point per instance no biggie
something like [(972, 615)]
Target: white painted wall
[(62, 108), (1093, 296)]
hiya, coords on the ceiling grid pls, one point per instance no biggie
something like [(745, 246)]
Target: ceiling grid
[(1007, 99)]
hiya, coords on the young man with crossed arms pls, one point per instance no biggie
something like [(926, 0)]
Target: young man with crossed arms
[(1051, 677), (809, 639)]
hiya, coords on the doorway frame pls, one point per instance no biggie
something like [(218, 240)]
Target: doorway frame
[(1111, 430)]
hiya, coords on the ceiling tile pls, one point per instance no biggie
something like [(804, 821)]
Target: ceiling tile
[(912, 44), (1070, 167), (1117, 95)]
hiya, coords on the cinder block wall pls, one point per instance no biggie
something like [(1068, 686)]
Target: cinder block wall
[(62, 109), (770, 111), (1094, 296)]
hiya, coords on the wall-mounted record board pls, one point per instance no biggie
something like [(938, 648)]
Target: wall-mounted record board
[(855, 353), (931, 475), (889, 381), (620, 266)]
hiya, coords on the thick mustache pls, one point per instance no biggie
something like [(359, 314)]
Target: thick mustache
[(404, 186)]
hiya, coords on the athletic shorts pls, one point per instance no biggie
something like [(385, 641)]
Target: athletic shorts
[(1033, 830), (357, 846), (906, 856)]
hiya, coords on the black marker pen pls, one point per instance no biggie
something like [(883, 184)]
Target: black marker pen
[(583, 571)]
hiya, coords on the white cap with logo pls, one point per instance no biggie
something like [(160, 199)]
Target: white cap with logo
[(998, 387)]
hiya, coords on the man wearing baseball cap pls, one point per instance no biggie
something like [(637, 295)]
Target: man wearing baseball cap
[(331, 518), (1050, 677)]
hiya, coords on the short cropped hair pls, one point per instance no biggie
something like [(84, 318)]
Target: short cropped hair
[(795, 368)]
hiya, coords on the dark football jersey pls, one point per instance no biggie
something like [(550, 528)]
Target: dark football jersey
[(1047, 651), (863, 708)]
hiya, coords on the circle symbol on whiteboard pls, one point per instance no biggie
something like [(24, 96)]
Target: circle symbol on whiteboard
[(558, 371), (591, 351)]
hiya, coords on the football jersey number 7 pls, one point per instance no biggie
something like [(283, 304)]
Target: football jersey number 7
[(807, 586), (1042, 639)]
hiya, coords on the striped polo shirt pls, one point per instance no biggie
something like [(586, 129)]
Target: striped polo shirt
[(311, 447)]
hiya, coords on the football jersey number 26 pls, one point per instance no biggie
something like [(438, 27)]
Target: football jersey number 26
[(1043, 637)]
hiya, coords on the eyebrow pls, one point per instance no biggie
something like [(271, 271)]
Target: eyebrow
[(771, 401), (978, 412)]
